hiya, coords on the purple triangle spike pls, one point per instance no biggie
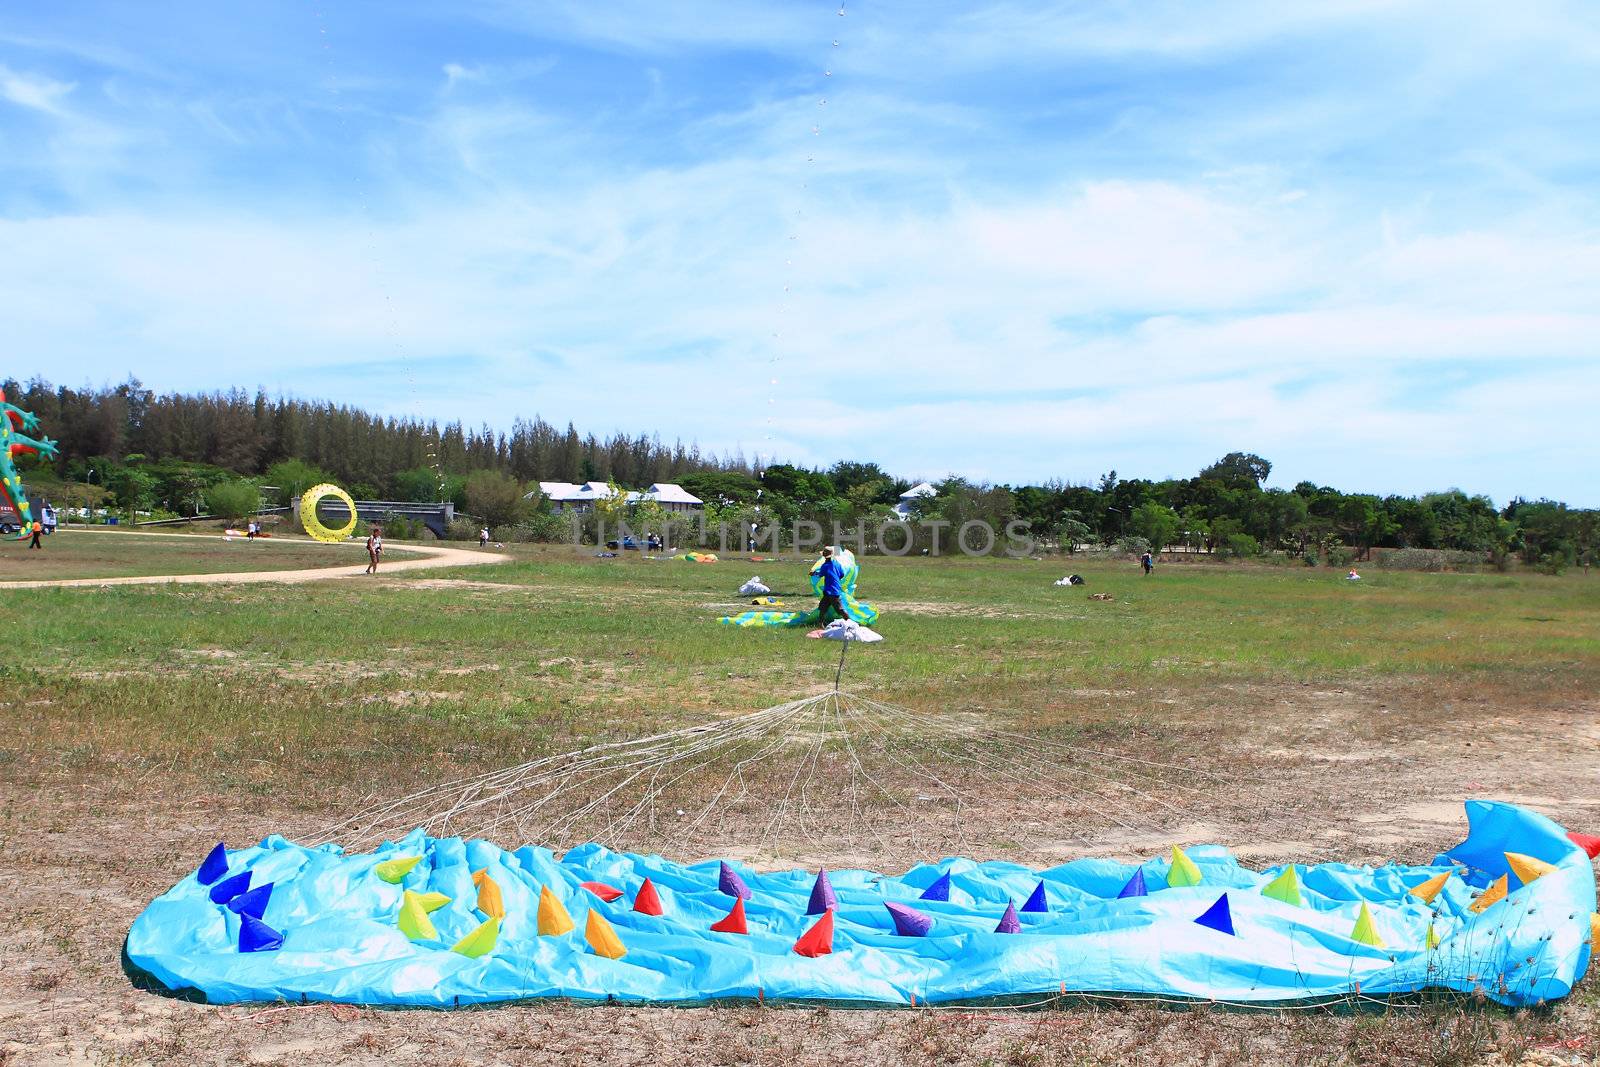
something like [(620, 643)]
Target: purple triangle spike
[(939, 889), (229, 888), (908, 921), (823, 898), (1218, 917), (253, 903), (729, 882), (257, 936), (1009, 924), (1037, 901), (1135, 886), (214, 866)]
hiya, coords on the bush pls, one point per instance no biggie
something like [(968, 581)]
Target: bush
[(1426, 559), (233, 500), (1238, 545), (495, 498), (1339, 556), (1133, 546), (1310, 557), (401, 527)]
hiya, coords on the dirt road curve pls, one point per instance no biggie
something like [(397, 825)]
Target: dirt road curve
[(435, 556)]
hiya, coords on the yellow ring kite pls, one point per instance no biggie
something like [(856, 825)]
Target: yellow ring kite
[(308, 512)]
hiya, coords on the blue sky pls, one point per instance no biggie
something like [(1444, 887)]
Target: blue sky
[(1013, 241)]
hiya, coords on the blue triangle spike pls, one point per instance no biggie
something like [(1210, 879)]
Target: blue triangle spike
[(1218, 917), (1037, 901), (1009, 923), (253, 902), (229, 888), (1135, 886), (214, 866), (729, 882), (939, 889), (257, 936)]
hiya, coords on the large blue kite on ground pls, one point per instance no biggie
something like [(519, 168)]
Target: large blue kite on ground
[(1508, 913)]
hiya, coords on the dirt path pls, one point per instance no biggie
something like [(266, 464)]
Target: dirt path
[(434, 556)]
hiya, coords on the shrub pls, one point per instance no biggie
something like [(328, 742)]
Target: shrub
[(1340, 556), (1238, 545), (1133, 546), (233, 500)]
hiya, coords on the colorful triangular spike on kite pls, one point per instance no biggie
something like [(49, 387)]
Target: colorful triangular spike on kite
[(729, 882), (432, 902), (481, 940), (490, 902), (1009, 923), (1594, 933), (1183, 871), (607, 893), (734, 921), (554, 919), (413, 920), (214, 866), (647, 901), (1493, 895), (1037, 901), (817, 941), (395, 870), (602, 938), (1285, 887), (229, 888), (1426, 891), (1432, 940), (823, 898), (1365, 930), (1528, 869), (908, 921), (938, 889), (1218, 917), (1588, 842), (252, 903), (257, 936), (1135, 886)]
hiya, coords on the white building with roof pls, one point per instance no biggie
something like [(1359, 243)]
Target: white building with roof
[(909, 498), (569, 496)]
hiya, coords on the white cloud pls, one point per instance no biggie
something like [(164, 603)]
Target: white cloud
[(34, 92)]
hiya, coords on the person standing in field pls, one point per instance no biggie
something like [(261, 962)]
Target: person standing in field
[(374, 549), (37, 528), (832, 588), (483, 537), (1148, 562)]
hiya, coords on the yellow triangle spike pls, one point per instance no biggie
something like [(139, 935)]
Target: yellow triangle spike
[(395, 870), (1431, 888), (490, 902), (432, 902), (1527, 868), (1365, 931), (480, 940), (1493, 895), (1433, 938), (1594, 933), (1183, 872), (553, 917), (414, 921), (1285, 887), (602, 938)]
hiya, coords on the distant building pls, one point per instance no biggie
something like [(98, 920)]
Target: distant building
[(909, 498), (568, 496)]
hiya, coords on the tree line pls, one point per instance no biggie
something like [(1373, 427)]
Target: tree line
[(138, 450)]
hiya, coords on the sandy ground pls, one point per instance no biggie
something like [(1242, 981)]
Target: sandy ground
[(1367, 772)]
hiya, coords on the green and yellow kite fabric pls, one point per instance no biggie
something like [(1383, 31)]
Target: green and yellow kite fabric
[(860, 612)]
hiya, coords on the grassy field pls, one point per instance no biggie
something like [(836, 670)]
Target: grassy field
[(160, 719), (106, 553)]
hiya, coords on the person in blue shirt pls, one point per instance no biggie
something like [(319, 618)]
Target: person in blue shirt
[(832, 588)]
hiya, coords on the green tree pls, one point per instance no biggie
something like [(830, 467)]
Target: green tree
[(1156, 523), (1239, 470), (495, 498), (233, 500), (292, 477)]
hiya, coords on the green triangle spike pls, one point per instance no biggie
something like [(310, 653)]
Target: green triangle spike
[(1365, 931), (1285, 887), (1183, 871)]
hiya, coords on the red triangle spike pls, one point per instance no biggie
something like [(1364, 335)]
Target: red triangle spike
[(648, 902), (817, 941), (733, 922), (1588, 842)]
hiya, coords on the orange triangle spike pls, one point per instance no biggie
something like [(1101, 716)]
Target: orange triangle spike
[(647, 901), (1527, 868), (1431, 888), (733, 922), (553, 917), (1594, 932), (1493, 895), (602, 938), (489, 900), (817, 941)]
